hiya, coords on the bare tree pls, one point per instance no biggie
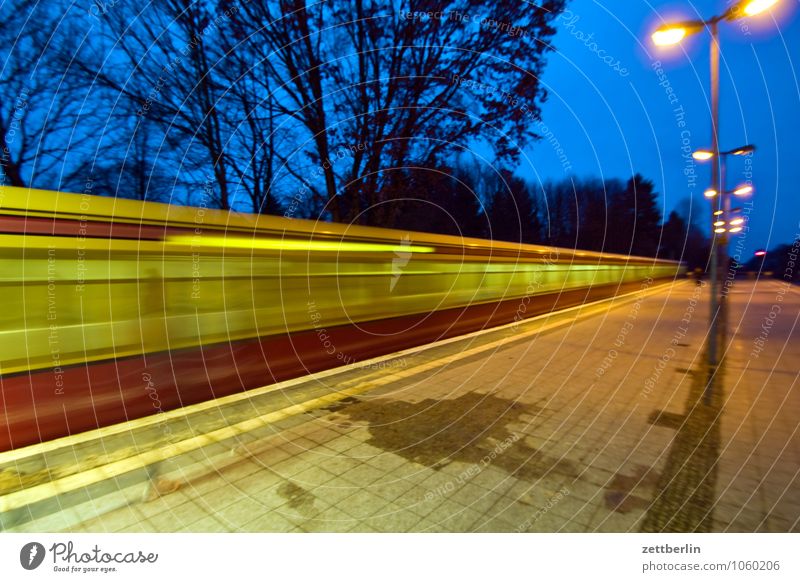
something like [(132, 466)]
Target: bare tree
[(258, 135), (160, 61), (38, 105), (385, 86)]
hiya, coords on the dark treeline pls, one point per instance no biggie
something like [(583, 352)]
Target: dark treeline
[(613, 216)]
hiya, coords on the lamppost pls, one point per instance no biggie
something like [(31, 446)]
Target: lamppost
[(722, 204), (672, 34)]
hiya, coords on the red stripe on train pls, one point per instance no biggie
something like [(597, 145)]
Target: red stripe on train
[(45, 405)]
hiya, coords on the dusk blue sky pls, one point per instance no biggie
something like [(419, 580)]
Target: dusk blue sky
[(611, 124)]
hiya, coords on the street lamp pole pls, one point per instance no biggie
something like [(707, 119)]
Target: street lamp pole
[(723, 224), (725, 203), (716, 184), (672, 34)]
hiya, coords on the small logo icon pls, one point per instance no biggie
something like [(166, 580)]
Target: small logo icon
[(400, 260), (31, 555)]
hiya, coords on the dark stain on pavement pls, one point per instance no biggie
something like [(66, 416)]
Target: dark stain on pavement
[(622, 502), (666, 419), (470, 429), (620, 496), (340, 404), (299, 498)]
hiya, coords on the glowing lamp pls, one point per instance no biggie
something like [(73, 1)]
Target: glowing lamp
[(702, 155), (669, 35), (748, 149), (754, 7)]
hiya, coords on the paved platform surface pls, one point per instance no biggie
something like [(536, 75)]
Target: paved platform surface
[(571, 429)]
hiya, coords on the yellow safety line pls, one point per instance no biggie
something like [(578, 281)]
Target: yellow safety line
[(131, 425), (44, 491), (25, 497)]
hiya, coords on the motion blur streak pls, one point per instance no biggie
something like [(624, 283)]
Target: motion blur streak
[(116, 309)]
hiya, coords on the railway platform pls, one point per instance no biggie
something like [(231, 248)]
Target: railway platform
[(589, 419)]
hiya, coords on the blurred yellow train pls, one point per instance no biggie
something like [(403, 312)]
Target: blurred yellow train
[(107, 300)]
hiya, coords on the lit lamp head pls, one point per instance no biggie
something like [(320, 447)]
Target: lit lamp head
[(744, 150), (672, 34), (747, 8), (743, 190), (760, 253), (705, 155), (710, 193)]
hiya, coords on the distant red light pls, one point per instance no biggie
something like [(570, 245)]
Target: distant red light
[(760, 253)]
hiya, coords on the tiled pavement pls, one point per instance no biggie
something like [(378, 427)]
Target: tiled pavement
[(759, 468), (551, 433)]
